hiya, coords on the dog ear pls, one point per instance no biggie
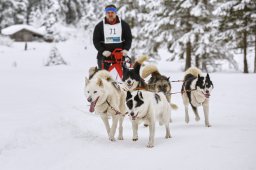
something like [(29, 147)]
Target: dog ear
[(129, 95), (140, 94), (99, 82), (208, 79), (207, 76), (86, 81), (136, 68)]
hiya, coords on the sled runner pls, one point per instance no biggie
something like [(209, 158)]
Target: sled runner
[(117, 61)]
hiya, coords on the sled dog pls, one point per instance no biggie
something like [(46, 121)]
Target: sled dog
[(148, 107), (196, 90), (158, 82), (107, 99), (131, 76)]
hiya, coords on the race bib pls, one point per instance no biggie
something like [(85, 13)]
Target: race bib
[(112, 33)]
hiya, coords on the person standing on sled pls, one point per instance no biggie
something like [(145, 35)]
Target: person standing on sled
[(109, 34)]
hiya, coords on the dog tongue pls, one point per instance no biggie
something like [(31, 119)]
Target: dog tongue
[(207, 95), (92, 106)]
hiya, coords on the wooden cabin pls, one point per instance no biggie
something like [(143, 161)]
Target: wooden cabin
[(23, 33)]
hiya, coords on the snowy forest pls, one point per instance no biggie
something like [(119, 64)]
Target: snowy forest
[(46, 119), (200, 32)]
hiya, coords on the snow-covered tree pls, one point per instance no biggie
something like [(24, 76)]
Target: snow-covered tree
[(20, 7), (7, 13), (237, 23), (190, 32), (55, 58), (91, 16), (133, 12), (34, 13), (51, 19), (71, 10), (36, 17)]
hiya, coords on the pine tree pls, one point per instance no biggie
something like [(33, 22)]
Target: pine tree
[(36, 17), (55, 58), (190, 18), (134, 13), (34, 13), (6, 14), (20, 16), (237, 23), (51, 19), (255, 50), (71, 10)]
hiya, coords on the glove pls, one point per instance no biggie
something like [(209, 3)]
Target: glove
[(124, 52), (106, 53)]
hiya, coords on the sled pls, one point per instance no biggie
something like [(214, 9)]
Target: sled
[(117, 61)]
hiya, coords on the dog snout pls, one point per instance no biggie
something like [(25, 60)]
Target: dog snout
[(89, 99), (129, 81), (207, 91), (162, 89), (132, 113)]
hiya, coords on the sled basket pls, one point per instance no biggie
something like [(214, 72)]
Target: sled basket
[(117, 61)]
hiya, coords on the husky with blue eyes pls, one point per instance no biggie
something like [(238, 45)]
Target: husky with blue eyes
[(196, 90), (148, 107)]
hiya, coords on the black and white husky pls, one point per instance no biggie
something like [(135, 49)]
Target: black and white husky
[(148, 107), (196, 91), (131, 76)]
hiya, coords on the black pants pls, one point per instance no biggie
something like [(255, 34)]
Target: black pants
[(100, 63)]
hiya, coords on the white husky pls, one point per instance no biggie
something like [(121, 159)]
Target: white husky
[(107, 99), (148, 107)]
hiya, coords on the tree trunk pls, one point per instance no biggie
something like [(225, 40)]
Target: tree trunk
[(26, 46), (245, 52), (255, 52), (188, 55), (197, 61)]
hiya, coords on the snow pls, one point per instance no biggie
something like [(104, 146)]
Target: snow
[(45, 121), (196, 11), (186, 4), (15, 28)]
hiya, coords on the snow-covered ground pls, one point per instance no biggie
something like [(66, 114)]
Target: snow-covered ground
[(45, 123)]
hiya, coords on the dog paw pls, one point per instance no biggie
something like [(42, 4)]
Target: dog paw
[(187, 120), (197, 118), (120, 138), (208, 125), (112, 139), (134, 139), (168, 136), (150, 145)]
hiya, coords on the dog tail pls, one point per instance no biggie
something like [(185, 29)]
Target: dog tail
[(103, 74), (174, 106), (148, 70), (139, 61), (193, 71)]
